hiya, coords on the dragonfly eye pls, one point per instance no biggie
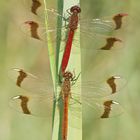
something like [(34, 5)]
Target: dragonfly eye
[(70, 75), (75, 8), (65, 74)]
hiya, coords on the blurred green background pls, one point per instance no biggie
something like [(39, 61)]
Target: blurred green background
[(17, 50)]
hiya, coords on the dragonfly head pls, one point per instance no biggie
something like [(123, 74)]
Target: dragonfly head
[(76, 9), (67, 75)]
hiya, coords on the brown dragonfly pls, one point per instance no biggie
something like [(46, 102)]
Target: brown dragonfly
[(39, 101)]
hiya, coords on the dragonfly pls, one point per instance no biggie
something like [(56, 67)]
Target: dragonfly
[(40, 97), (99, 30)]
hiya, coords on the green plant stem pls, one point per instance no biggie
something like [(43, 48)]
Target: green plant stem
[(52, 61), (60, 105)]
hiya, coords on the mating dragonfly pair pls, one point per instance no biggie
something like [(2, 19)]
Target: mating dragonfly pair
[(40, 100), (97, 27)]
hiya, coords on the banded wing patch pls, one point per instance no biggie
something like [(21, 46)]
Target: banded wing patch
[(110, 42), (118, 20), (108, 108), (35, 5), (24, 101), (33, 29)]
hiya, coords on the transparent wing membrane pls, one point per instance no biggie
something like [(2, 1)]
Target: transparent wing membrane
[(33, 105), (30, 82), (98, 89), (104, 108)]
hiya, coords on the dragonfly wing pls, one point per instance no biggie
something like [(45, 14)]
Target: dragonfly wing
[(35, 20), (104, 108), (98, 89), (29, 82), (33, 105), (75, 105), (42, 22), (75, 112), (101, 32), (100, 42), (104, 25)]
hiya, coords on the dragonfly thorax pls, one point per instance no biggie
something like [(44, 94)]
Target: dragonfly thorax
[(66, 87)]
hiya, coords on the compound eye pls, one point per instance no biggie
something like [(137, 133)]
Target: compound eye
[(70, 75), (75, 8)]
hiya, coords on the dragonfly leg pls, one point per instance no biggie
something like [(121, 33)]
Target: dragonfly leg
[(75, 100), (65, 24), (75, 78), (60, 79), (68, 11)]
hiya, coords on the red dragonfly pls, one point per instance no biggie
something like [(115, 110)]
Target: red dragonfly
[(98, 30), (39, 100)]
